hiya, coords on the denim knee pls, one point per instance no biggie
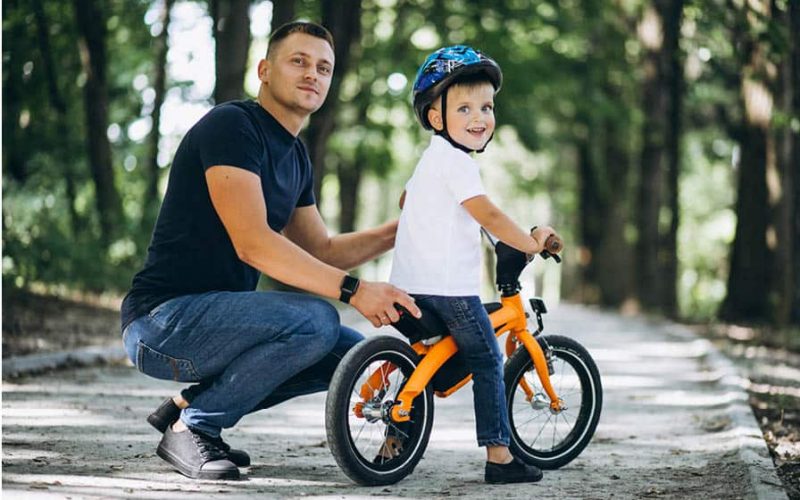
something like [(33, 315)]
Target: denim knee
[(130, 341), (325, 324)]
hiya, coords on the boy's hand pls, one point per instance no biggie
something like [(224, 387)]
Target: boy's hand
[(547, 239)]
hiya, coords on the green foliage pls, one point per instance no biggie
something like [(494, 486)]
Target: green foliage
[(49, 234), (572, 79)]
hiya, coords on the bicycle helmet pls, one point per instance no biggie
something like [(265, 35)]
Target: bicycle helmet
[(440, 70)]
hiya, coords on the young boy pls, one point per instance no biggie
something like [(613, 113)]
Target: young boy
[(437, 250)]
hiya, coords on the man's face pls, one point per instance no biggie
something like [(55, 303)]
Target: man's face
[(298, 73)]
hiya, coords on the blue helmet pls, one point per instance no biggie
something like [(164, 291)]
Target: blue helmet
[(442, 67)]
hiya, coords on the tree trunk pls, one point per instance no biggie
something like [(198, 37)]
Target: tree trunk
[(591, 224), (783, 275), (60, 108), (604, 255), (282, 13), (655, 103), (749, 281), (232, 36), (604, 165), (349, 175), (343, 19), (161, 45), (613, 253), (13, 156), (91, 21), (659, 33), (669, 255), (794, 23)]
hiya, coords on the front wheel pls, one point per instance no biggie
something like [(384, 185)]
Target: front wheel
[(540, 436), (368, 445)]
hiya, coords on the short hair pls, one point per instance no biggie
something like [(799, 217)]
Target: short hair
[(471, 80), (306, 27)]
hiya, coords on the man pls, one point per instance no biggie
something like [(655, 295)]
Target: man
[(239, 203)]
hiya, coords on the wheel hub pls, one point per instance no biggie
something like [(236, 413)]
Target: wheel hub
[(540, 401), (375, 411)]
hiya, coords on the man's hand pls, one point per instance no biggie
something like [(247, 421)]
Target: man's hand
[(375, 301)]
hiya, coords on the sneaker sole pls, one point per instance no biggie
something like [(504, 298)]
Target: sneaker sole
[(191, 472)]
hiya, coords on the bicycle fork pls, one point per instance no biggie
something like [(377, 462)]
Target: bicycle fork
[(541, 365), (513, 319)]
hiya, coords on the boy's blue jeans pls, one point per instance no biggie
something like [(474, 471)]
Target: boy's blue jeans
[(249, 350), (472, 330)]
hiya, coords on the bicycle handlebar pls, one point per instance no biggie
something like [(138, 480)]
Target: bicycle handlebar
[(552, 246), (511, 262)]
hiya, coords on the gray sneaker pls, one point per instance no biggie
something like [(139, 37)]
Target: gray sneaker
[(166, 415), (195, 455)]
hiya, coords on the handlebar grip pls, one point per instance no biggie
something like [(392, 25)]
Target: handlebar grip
[(553, 244)]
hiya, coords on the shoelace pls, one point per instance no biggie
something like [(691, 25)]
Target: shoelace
[(222, 445), (209, 449)]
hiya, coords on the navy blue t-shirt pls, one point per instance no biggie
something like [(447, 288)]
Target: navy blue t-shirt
[(190, 251)]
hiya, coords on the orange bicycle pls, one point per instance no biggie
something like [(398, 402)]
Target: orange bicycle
[(379, 408)]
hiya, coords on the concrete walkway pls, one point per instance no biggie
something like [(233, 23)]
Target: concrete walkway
[(675, 424)]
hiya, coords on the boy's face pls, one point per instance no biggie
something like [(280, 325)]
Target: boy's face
[(470, 114)]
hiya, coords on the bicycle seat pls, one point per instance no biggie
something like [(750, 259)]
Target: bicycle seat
[(492, 307), (430, 325)]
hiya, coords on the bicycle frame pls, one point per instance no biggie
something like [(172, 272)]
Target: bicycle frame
[(510, 318)]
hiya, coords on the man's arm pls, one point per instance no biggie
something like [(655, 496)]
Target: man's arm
[(499, 224), (344, 251), (239, 201)]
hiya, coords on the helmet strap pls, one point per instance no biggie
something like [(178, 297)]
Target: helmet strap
[(445, 135)]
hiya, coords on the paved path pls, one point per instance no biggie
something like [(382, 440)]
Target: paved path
[(675, 424)]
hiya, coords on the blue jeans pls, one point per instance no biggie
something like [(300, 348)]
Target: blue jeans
[(472, 330), (248, 350)]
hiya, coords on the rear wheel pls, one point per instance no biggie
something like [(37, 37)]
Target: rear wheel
[(540, 436), (369, 447)]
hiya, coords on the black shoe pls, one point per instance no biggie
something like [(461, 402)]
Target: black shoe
[(239, 457), (196, 455), (515, 471), (166, 415)]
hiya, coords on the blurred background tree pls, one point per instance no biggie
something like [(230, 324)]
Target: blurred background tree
[(662, 137)]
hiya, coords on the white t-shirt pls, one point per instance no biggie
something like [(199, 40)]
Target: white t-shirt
[(438, 244)]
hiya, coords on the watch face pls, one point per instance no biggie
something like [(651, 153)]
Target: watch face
[(350, 284), (348, 288)]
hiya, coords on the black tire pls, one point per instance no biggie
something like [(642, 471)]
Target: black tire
[(539, 437), (354, 441)]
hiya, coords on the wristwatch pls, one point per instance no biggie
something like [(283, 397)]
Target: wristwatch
[(348, 288)]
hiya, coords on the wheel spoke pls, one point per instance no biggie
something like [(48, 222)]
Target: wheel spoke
[(557, 427), (397, 429), (360, 430), (541, 430), (562, 435)]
